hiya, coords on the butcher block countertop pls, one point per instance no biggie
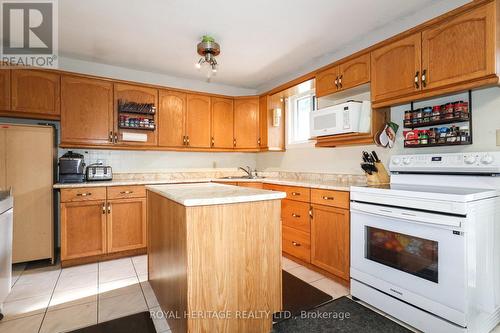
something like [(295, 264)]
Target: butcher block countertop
[(204, 194)]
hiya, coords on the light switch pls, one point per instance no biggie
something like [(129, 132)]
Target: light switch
[(498, 137)]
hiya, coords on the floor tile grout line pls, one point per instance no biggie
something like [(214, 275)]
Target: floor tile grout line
[(50, 299), (140, 285)]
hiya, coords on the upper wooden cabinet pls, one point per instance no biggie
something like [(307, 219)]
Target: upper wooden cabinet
[(327, 81), (264, 128), (87, 111), (345, 75), (5, 90), (135, 94), (198, 121), (222, 122), (394, 68), (459, 49), (246, 123), (171, 119), (35, 93), (354, 72)]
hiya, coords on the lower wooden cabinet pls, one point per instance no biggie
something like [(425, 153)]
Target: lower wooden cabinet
[(330, 239), (297, 243), (126, 224), (101, 221), (83, 229)]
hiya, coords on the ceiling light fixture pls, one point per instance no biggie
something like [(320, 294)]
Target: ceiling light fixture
[(208, 49)]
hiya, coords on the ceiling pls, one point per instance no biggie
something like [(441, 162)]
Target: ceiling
[(260, 39)]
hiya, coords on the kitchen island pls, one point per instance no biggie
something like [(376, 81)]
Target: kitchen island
[(215, 256)]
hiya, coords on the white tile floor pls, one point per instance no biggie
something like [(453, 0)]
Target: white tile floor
[(51, 299)]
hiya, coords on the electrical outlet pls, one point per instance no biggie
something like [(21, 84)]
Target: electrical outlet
[(498, 137)]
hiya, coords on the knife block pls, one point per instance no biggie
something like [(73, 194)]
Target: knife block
[(379, 177)]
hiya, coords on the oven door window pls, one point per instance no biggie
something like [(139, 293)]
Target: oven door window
[(406, 253)]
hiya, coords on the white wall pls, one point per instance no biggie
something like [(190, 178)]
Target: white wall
[(157, 161), (121, 73), (485, 122)]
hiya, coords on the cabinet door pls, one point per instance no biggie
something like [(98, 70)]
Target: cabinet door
[(325, 81), (136, 94), (222, 122), (35, 92), (83, 229), (5, 90), (246, 123), (171, 119), (126, 226), (394, 68), (87, 111), (198, 121), (264, 130), (354, 72), (330, 240), (460, 49)]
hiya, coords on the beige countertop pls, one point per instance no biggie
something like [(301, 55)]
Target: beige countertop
[(323, 184), (203, 194)]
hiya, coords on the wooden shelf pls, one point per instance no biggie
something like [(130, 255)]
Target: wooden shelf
[(439, 122), (443, 144), (137, 128)]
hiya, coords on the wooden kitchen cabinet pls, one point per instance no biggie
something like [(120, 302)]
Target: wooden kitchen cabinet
[(394, 68), (87, 111), (296, 243), (35, 93), (83, 229), (295, 214), (198, 121), (459, 49), (354, 72), (327, 81), (330, 239), (4, 89), (126, 224), (251, 184), (171, 119), (246, 123), (136, 94), (222, 122)]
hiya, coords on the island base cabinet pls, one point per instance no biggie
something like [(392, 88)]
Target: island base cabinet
[(83, 229), (126, 224), (330, 240), (213, 259)]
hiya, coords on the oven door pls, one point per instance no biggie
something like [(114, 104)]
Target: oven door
[(415, 256)]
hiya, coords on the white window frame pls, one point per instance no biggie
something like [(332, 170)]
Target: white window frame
[(291, 103)]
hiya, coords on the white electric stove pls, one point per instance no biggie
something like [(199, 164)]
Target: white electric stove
[(426, 248)]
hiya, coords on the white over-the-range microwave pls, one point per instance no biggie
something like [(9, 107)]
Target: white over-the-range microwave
[(349, 117)]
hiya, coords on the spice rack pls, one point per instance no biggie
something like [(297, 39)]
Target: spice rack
[(136, 116), (446, 114)]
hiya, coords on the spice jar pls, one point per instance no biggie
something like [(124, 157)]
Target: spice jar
[(423, 137), (448, 111), (464, 133), (426, 114), (432, 135), (436, 113), (443, 131), (408, 117)]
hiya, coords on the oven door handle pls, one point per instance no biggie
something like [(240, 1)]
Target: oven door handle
[(405, 214)]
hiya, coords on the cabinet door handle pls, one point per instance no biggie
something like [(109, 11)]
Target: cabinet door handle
[(83, 194), (103, 208), (295, 215), (234, 142), (116, 137), (111, 136), (424, 78), (328, 198), (109, 208), (295, 193), (311, 212), (126, 192), (212, 142), (340, 81), (184, 140), (294, 243), (258, 142), (187, 140), (337, 82), (416, 80)]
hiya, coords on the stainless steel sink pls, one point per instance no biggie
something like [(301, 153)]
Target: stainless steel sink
[(241, 177)]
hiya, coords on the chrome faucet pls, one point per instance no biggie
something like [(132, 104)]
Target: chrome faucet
[(248, 171)]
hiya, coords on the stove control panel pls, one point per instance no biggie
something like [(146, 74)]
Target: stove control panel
[(483, 162)]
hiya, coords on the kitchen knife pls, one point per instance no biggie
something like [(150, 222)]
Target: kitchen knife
[(375, 157), (366, 168), (366, 157)]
